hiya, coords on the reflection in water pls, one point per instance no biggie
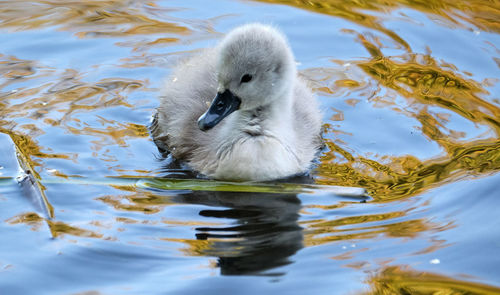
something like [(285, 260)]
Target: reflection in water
[(148, 203), (261, 235), (256, 232), (109, 18), (403, 280), (482, 14), (56, 228), (391, 224), (424, 84), (63, 104)]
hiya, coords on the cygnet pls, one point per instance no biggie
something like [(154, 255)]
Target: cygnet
[(239, 111)]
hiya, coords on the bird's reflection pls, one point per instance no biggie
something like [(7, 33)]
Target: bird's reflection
[(262, 235), (263, 232)]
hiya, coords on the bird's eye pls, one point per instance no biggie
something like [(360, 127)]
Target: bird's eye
[(246, 78)]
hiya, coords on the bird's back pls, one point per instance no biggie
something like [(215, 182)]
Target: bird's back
[(185, 96)]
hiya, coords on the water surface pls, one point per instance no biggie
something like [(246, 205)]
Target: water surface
[(411, 99)]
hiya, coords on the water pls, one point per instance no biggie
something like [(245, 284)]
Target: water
[(411, 100)]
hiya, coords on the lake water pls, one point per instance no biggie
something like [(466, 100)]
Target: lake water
[(410, 93)]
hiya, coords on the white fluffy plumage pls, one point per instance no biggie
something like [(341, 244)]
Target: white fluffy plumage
[(274, 132)]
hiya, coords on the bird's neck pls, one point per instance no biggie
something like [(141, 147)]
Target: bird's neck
[(273, 119)]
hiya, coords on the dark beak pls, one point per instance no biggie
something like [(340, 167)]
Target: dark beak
[(223, 104)]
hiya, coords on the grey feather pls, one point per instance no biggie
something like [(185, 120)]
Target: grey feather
[(275, 131)]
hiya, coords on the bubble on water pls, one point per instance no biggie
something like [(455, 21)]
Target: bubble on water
[(435, 261)]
